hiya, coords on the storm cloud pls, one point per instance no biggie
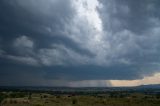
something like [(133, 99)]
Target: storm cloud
[(67, 42)]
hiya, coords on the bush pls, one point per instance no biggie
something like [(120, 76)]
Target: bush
[(38, 105), (1, 98), (17, 95), (30, 96), (74, 101)]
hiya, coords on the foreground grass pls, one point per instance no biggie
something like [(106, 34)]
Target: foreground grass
[(39, 99)]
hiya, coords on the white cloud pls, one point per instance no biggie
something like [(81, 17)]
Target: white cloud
[(88, 31), (87, 10), (60, 55), (23, 42), (23, 45), (51, 57), (24, 60)]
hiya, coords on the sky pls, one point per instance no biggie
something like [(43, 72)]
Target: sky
[(79, 43)]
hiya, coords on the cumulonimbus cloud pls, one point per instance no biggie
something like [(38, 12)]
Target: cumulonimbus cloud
[(82, 40)]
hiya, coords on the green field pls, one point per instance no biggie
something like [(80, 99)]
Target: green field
[(46, 99)]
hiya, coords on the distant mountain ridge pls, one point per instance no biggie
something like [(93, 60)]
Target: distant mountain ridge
[(152, 86)]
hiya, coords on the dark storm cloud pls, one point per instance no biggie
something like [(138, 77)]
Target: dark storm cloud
[(91, 73), (139, 18), (133, 26), (19, 19), (50, 40), (42, 22), (27, 28), (128, 14)]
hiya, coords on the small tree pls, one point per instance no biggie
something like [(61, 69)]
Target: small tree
[(74, 101), (30, 96), (1, 98)]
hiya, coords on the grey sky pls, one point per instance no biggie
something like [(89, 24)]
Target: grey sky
[(67, 42)]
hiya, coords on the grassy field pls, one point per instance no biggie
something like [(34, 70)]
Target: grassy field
[(44, 99)]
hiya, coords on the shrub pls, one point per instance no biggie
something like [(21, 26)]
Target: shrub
[(1, 98), (74, 101)]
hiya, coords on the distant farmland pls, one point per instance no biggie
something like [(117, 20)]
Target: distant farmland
[(79, 97)]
